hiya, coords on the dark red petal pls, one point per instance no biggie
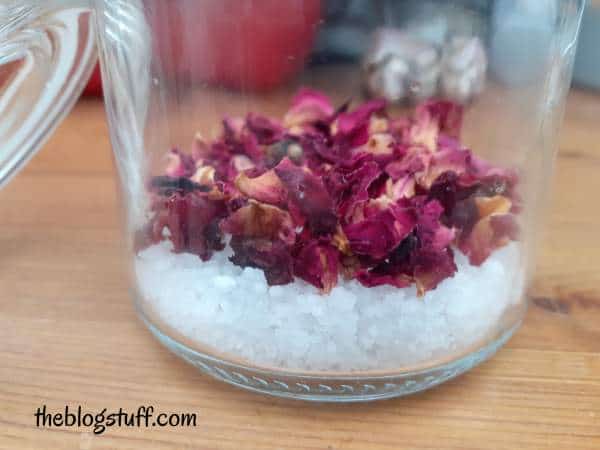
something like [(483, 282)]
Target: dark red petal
[(382, 147), (176, 222), (494, 228), (433, 267), (372, 278), (192, 223), (317, 264), (432, 121), (238, 139), (204, 176), (413, 161), (266, 188), (505, 225), (307, 192), (232, 128), (273, 257), (376, 236), (447, 116), (166, 186), (349, 185), (431, 260), (353, 127), (264, 129), (317, 150), (463, 216), (180, 164), (308, 107), (445, 190), (446, 160), (261, 221), (200, 148), (404, 188), (432, 234), (394, 270)]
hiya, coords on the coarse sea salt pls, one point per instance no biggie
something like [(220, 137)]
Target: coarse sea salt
[(233, 311)]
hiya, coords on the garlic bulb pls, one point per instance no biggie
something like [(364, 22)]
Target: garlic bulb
[(464, 65), (399, 67)]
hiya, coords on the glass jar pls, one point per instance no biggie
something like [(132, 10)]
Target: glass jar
[(325, 200)]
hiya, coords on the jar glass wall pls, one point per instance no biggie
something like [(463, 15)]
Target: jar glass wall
[(334, 200)]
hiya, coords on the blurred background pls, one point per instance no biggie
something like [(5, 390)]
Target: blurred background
[(348, 37)]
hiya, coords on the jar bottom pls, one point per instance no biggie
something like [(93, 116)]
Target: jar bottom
[(330, 388)]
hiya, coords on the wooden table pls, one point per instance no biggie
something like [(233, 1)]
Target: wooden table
[(69, 334)]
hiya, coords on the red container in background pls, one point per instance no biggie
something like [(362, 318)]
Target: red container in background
[(252, 45), (272, 41)]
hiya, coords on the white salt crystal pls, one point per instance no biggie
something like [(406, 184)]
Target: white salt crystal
[(224, 283), (233, 310)]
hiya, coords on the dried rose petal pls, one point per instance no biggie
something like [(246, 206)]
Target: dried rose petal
[(446, 191), (200, 148), (192, 223), (376, 236), (423, 257), (412, 161), (309, 195), (264, 129), (308, 107), (241, 163), (165, 185), (152, 232), (233, 128), (447, 116), (273, 257), (432, 260), (266, 188), (352, 128), (340, 241), (317, 264), (180, 164), (204, 176), (382, 146), (259, 220), (494, 229), (350, 185), (430, 231), (404, 187), (393, 270), (239, 140), (447, 160), (505, 225), (379, 125), (433, 118), (372, 278), (318, 151), (431, 268), (262, 236)]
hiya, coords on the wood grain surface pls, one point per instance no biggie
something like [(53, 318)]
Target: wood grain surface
[(69, 333)]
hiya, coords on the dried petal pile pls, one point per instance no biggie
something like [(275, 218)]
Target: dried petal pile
[(329, 192)]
